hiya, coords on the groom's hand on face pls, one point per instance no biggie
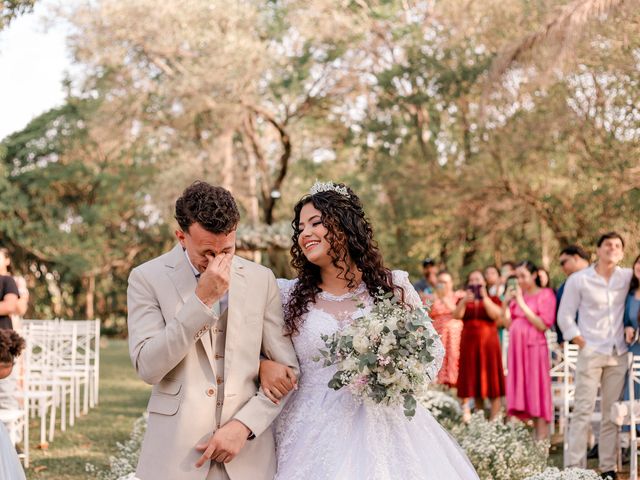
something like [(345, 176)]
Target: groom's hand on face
[(224, 444), (214, 281)]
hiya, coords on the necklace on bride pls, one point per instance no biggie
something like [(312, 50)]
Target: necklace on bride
[(339, 297)]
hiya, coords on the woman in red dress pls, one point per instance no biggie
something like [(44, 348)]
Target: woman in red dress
[(443, 304), (481, 375)]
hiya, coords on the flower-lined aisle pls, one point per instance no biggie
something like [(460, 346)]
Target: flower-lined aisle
[(499, 450)]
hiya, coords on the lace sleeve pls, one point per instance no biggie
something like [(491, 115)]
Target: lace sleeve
[(411, 297), (285, 287), (401, 280)]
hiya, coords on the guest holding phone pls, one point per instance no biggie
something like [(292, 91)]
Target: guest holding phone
[(443, 303), (528, 311), (481, 375)]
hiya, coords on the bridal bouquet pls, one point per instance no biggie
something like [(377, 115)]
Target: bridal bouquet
[(384, 356)]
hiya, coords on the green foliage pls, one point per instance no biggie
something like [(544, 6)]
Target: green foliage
[(394, 98), (72, 210)]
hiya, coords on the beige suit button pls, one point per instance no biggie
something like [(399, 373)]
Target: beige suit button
[(211, 391)]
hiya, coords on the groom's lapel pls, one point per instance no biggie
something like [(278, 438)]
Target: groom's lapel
[(235, 318), (184, 280)]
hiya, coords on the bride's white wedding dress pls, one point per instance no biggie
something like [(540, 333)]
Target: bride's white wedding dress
[(10, 467), (326, 434)]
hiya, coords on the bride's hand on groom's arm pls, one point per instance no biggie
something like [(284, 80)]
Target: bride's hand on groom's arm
[(276, 380), (224, 444)]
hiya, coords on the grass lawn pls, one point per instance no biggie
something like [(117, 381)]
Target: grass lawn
[(123, 398)]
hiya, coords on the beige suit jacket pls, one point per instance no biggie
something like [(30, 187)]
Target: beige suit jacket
[(171, 348)]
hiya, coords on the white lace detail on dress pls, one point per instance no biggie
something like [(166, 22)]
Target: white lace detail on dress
[(411, 297), (323, 434), (285, 287)]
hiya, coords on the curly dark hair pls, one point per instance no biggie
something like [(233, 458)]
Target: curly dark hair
[(350, 237), (212, 207), (635, 281), (11, 344)]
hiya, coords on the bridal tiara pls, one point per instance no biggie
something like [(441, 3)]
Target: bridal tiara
[(319, 187)]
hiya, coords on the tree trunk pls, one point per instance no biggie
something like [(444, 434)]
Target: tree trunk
[(470, 249), (545, 245), (254, 204), (225, 144), (90, 296)]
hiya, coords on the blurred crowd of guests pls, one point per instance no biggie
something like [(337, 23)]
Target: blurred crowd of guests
[(596, 307)]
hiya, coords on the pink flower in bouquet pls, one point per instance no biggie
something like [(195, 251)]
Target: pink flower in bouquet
[(382, 360)]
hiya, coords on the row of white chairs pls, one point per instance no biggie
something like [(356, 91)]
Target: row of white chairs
[(58, 371)]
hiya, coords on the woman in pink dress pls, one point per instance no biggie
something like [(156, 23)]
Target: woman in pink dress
[(528, 311), (444, 301)]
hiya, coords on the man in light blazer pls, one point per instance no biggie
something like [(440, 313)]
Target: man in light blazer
[(199, 320)]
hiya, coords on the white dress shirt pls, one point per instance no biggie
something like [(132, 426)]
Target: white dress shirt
[(600, 308)]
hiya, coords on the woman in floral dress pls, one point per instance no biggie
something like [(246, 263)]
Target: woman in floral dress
[(443, 304)]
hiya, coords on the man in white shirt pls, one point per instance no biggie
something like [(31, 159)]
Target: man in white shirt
[(597, 294)]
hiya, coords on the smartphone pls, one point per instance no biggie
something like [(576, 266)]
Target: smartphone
[(475, 289), (512, 283)]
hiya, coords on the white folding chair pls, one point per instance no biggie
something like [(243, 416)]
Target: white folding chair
[(627, 412), (43, 392), (88, 360), (505, 350), (557, 374), (94, 361), (569, 360)]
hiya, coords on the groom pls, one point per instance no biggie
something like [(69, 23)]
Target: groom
[(199, 320)]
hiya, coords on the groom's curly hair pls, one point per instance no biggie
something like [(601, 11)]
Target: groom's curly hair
[(350, 237), (212, 207)]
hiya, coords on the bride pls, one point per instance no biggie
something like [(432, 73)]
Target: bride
[(327, 434)]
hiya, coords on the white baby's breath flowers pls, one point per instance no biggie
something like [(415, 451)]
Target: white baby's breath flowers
[(501, 450), (123, 465), (553, 473)]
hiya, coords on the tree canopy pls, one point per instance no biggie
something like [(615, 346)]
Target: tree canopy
[(474, 132)]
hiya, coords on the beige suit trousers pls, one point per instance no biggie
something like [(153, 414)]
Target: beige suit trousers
[(217, 472), (595, 370)]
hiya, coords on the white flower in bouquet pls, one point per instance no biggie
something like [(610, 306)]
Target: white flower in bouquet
[(386, 356), (360, 344)]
